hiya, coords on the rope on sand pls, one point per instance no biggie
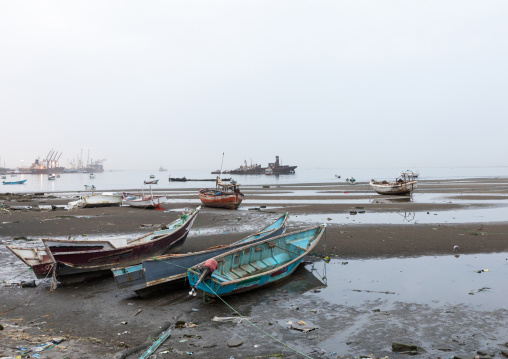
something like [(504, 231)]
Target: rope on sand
[(255, 326)]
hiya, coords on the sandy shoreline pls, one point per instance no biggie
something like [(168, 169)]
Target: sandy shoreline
[(73, 311)]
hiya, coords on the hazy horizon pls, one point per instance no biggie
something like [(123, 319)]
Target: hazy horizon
[(329, 84)]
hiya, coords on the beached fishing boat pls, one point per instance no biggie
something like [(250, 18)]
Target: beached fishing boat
[(14, 182), (225, 195), (78, 260), (141, 200), (170, 271), (401, 186), (105, 199), (254, 265)]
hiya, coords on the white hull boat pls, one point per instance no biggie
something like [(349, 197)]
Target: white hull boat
[(399, 187), (144, 200), (102, 200)]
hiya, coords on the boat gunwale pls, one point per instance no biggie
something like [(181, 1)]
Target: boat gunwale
[(151, 283), (131, 246), (286, 264)]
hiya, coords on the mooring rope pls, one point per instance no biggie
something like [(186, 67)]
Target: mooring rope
[(254, 325), (29, 297), (8, 280)]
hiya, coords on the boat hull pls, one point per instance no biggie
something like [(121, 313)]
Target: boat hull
[(102, 201), (170, 272), (79, 260), (221, 199), (256, 265), (144, 201), (393, 188), (14, 182)]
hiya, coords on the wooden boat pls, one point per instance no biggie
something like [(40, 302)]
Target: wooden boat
[(151, 182), (401, 186), (141, 200), (78, 260), (105, 199), (254, 265), (170, 271), (14, 182), (225, 195)]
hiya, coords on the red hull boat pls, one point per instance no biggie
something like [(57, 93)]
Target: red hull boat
[(226, 195), (77, 260)]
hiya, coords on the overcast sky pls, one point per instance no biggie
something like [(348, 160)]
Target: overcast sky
[(322, 84)]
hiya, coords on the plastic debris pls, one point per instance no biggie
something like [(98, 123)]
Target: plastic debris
[(229, 319)]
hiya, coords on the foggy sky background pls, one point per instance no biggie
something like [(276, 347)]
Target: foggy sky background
[(322, 84)]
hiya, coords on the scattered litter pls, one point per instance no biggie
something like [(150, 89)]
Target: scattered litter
[(182, 324), (153, 348), (301, 326), (236, 320)]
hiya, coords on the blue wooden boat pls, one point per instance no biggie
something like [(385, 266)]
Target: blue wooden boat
[(170, 271), (254, 265), (14, 182)]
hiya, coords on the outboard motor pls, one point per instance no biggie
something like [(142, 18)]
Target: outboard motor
[(208, 268)]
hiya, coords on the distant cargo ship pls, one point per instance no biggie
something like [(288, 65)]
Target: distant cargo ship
[(50, 165), (273, 168)]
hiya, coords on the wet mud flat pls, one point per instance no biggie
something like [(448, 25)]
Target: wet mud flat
[(385, 283)]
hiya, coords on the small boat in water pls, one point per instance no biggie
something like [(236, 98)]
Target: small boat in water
[(170, 271), (89, 186), (51, 176), (152, 182), (92, 176), (141, 200), (73, 261), (401, 186), (14, 182), (254, 265), (350, 180), (225, 195)]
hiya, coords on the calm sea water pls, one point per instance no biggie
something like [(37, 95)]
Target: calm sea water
[(128, 180)]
